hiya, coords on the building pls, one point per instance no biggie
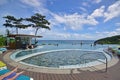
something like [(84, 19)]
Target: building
[(21, 41)]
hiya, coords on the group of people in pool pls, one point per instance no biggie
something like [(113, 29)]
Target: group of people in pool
[(12, 75)]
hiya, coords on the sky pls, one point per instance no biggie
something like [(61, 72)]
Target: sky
[(70, 19)]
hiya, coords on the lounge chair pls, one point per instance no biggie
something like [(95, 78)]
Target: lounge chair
[(21, 77), (2, 65), (3, 50)]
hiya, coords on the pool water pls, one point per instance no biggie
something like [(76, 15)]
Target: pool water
[(64, 57), (57, 55), (61, 46)]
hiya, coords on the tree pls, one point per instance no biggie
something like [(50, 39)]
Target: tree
[(11, 22), (38, 21)]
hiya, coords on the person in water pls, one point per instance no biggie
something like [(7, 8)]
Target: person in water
[(12, 75)]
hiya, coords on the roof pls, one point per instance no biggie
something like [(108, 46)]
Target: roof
[(22, 35)]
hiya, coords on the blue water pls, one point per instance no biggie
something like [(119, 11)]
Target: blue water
[(62, 58), (65, 57), (64, 44), (65, 41)]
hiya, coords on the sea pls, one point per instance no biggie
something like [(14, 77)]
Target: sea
[(72, 44)]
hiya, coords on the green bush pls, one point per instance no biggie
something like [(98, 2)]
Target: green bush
[(2, 41)]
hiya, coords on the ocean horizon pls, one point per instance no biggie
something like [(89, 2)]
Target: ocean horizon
[(70, 44), (66, 41)]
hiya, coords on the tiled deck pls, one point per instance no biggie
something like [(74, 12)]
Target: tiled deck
[(113, 73)]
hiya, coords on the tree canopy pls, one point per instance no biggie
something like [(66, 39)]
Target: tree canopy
[(11, 22), (36, 21)]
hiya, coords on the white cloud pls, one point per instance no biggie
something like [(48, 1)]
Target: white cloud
[(34, 3), (76, 36), (107, 33), (56, 34), (112, 11), (66, 36), (58, 18), (74, 21), (38, 5), (31, 31), (83, 9), (118, 29), (98, 12), (96, 1)]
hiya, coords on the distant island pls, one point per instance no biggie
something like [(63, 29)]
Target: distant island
[(109, 40)]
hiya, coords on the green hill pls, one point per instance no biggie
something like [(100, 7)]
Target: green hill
[(109, 40)]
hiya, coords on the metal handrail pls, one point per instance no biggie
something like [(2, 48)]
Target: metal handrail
[(106, 60)]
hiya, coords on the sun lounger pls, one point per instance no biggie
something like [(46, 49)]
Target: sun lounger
[(21, 77), (3, 50), (2, 65)]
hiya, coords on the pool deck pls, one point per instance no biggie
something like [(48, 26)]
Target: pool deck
[(92, 73)]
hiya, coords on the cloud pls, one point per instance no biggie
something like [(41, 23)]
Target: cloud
[(76, 21), (55, 35), (112, 11), (73, 21), (66, 36), (38, 5), (79, 36), (59, 18), (83, 9), (96, 1), (118, 29), (107, 33), (98, 12), (33, 3), (58, 35)]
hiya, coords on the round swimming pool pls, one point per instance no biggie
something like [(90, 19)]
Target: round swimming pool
[(71, 58)]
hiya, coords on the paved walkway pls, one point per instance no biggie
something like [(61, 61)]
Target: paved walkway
[(113, 73)]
